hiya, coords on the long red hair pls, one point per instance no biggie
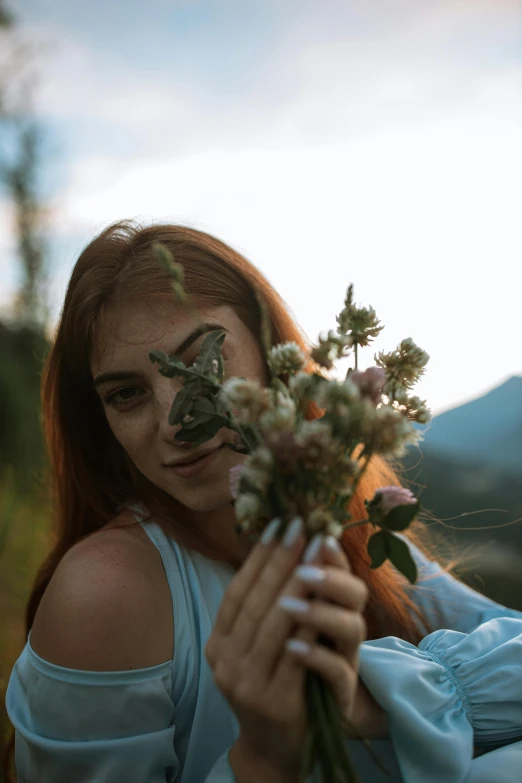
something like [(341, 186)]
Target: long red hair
[(90, 475)]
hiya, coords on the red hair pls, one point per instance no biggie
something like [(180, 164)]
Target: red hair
[(91, 476)]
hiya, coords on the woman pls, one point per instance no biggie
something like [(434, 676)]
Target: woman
[(156, 644)]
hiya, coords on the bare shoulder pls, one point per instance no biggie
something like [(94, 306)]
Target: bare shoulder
[(107, 607)]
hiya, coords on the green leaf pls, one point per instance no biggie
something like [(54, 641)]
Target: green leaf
[(399, 554), (203, 412), (377, 548), (169, 365), (210, 350), (239, 450), (201, 433), (400, 517), (181, 405)]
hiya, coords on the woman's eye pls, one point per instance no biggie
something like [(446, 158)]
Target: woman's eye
[(123, 398)]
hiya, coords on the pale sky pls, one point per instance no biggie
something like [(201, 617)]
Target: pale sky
[(377, 143)]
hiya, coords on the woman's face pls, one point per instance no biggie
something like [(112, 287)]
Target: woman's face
[(137, 399)]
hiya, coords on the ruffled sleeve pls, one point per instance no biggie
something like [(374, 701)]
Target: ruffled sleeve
[(453, 692), (108, 727)]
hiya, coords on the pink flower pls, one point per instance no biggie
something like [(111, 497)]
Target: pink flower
[(370, 382), (234, 477), (391, 497)]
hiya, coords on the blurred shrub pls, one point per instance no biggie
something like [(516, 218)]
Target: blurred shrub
[(22, 349)]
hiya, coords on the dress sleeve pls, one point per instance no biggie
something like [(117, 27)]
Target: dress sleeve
[(86, 726), (459, 689)]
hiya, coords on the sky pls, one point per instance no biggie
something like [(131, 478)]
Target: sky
[(335, 142)]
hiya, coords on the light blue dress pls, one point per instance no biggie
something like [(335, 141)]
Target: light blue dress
[(170, 724)]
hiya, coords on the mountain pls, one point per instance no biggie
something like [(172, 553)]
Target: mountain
[(467, 473), (487, 430)]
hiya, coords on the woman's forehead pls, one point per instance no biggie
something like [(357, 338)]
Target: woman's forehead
[(130, 330)]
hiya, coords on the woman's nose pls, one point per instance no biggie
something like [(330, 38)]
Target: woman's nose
[(165, 401)]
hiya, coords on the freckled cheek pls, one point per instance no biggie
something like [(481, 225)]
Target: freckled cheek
[(135, 434)]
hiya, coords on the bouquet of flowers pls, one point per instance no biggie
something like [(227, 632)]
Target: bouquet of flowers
[(298, 466)]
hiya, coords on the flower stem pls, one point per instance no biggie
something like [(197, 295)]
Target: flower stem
[(355, 524), (326, 735)]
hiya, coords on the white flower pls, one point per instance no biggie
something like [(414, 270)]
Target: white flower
[(279, 418), (392, 432), (258, 468), (338, 398), (246, 397), (302, 385), (334, 529), (370, 382), (403, 367), (315, 433), (261, 458), (418, 411), (248, 507), (286, 358), (318, 520)]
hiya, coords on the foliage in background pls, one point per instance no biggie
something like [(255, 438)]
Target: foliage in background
[(22, 349), (25, 521), (23, 345)]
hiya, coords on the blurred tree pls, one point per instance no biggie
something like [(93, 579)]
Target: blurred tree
[(22, 333), (21, 158)]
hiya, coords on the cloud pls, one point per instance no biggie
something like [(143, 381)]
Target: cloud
[(325, 75)]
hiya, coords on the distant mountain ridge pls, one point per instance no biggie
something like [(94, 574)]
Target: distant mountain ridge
[(487, 430)]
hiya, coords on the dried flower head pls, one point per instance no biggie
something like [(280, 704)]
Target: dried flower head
[(360, 322), (330, 348), (415, 408), (338, 396), (257, 470), (391, 432), (248, 508), (403, 367), (370, 383), (286, 358), (319, 519), (248, 399), (278, 418), (303, 385)]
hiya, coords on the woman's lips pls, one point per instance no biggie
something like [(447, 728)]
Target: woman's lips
[(193, 468)]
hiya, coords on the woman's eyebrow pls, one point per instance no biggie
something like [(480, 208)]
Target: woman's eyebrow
[(123, 375), (193, 336)]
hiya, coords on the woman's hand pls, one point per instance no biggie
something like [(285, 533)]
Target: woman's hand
[(262, 680), (335, 611)]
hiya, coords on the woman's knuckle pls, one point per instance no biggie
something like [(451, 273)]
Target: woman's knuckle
[(224, 676), (246, 694), (233, 595), (363, 591), (361, 627)]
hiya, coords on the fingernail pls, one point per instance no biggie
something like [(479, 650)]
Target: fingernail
[(298, 646), (313, 548), (332, 544), (293, 532), (310, 574), (294, 604), (270, 531)]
